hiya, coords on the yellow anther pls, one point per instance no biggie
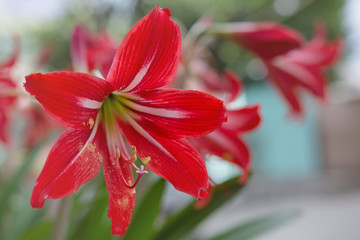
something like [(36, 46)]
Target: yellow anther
[(117, 153), (146, 160), (133, 155)]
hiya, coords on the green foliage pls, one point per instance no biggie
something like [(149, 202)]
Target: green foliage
[(39, 232), (145, 214), (182, 223), (256, 226)]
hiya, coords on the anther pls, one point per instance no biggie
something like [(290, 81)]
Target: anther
[(117, 153)]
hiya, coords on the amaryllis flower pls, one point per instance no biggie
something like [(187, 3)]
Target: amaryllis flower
[(227, 142), (266, 39), (130, 103), (7, 88), (90, 51), (292, 63)]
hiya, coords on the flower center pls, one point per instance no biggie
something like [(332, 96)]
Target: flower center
[(117, 107)]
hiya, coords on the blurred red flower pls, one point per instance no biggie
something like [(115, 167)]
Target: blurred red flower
[(7, 87), (90, 51), (292, 63)]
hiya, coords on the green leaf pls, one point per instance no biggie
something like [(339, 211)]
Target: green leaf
[(90, 222), (39, 232), (257, 226), (141, 226), (180, 225)]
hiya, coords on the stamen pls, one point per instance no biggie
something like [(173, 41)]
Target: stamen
[(117, 153), (140, 171), (133, 155)]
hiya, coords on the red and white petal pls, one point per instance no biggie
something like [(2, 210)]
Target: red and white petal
[(73, 161), (175, 113), (267, 39), (148, 56), (100, 52), (78, 49), (243, 120), (287, 89), (227, 145), (121, 197), (72, 98), (6, 105), (176, 160)]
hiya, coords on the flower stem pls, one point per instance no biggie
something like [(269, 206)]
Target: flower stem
[(62, 218)]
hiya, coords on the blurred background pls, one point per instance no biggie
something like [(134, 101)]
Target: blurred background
[(311, 165)]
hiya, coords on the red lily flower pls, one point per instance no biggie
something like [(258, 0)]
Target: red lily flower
[(303, 68), (7, 85), (266, 39), (128, 103), (92, 51), (292, 63), (227, 142)]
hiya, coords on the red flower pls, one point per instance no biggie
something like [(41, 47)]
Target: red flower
[(292, 63), (7, 85), (128, 103), (92, 51), (227, 142), (303, 68)]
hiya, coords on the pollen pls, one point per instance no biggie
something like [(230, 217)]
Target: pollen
[(123, 203), (91, 147), (91, 122)]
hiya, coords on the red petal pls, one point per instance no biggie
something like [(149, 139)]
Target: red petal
[(78, 49), (72, 98), (74, 160), (235, 85), (100, 52), (227, 145), (178, 113), (243, 120), (6, 105), (149, 54), (304, 68), (228, 85), (267, 39), (176, 160), (121, 198)]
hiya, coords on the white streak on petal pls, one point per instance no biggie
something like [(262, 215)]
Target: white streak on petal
[(156, 111), (147, 136), (88, 103), (90, 140), (140, 75), (295, 70)]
